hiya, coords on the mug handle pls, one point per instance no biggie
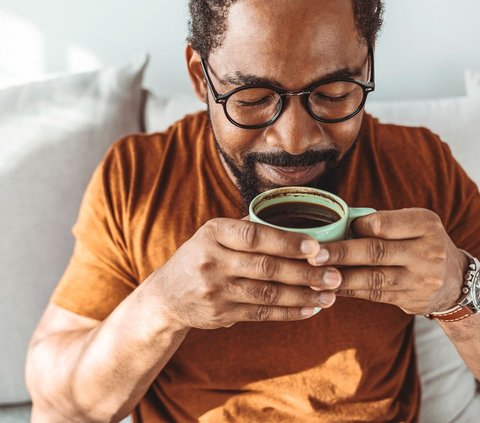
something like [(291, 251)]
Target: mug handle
[(356, 212)]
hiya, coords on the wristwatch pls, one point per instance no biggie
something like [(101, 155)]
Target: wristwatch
[(469, 302)]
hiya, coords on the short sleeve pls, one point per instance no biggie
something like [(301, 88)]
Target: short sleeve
[(462, 206), (99, 275)]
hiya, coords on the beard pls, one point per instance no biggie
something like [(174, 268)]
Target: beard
[(250, 185)]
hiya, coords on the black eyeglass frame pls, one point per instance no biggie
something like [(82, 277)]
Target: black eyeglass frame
[(222, 99)]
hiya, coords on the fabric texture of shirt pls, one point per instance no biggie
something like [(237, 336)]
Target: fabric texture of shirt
[(352, 362)]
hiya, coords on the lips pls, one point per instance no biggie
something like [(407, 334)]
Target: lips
[(289, 175)]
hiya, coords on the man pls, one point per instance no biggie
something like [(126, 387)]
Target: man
[(174, 308)]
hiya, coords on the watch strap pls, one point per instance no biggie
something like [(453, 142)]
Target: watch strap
[(453, 314)]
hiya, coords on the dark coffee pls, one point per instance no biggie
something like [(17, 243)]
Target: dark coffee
[(298, 214)]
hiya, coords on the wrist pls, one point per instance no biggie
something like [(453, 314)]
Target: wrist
[(156, 313), (456, 293), (468, 303)]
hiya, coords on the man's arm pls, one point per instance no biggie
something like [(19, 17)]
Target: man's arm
[(465, 336), (80, 369)]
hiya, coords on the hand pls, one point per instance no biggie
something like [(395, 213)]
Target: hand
[(405, 257), (236, 270)]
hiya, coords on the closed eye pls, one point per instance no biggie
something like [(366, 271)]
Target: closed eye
[(263, 101), (335, 99)]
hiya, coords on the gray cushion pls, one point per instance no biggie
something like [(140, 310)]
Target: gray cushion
[(52, 135), (21, 414), (15, 414)]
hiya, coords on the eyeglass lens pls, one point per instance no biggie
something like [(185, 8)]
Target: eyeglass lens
[(256, 106)]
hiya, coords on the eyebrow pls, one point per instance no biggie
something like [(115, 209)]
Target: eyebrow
[(241, 78)]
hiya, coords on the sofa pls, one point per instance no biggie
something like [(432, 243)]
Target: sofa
[(52, 135)]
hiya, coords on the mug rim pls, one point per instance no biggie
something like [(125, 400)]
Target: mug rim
[(275, 192)]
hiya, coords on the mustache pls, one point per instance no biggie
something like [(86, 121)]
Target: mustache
[(284, 159)]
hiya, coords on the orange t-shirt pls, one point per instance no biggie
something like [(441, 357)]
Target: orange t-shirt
[(354, 361)]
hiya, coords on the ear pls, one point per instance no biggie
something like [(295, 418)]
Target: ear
[(195, 73)]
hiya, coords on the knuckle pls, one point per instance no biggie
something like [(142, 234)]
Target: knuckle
[(250, 235), (434, 283), (377, 279), (217, 314), (375, 295), (341, 254), (376, 223), (310, 274), (261, 313), (204, 289), (270, 293), (287, 313), (266, 267), (438, 254), (377, 250), (208, 291), (285, 243), (434, 220), (210, 228), (349, 292), (205, 262)]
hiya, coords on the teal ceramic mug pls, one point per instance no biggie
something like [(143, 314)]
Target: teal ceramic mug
[(319, 214)]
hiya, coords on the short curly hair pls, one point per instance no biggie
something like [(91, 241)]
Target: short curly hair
[(208, 22)]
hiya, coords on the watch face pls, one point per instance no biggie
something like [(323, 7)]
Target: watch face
[(476, 291)]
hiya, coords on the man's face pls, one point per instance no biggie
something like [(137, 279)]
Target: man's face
[(291, 44)]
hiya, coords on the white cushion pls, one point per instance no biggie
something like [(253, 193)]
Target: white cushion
[(161, 112), (52, 135), (456, 120)]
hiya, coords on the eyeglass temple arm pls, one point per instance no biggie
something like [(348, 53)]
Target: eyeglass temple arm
[(216, 95), (372, 64)]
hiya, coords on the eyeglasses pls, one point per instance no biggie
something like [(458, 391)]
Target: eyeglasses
[(330, 100)]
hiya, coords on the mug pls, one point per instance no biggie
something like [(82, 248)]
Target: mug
[(317, 213)]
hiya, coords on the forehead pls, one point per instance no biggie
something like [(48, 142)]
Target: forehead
[(291, 41)]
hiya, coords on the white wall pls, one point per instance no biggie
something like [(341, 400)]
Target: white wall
[(424, 48)]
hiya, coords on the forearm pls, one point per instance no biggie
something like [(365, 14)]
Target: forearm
[(102, 373), (465, 335)]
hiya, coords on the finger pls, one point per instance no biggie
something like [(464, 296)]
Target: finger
[(287, 271), (366, 252), (275, 294), (375, 279), (378, 296), (263, 313), (243, 235), (396, 224)]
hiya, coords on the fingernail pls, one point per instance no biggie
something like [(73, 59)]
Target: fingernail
[(326, 299), (332, 278), (316, 288), (321, 257), (309, 246), (309, 311)]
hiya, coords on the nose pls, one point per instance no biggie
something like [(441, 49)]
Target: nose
[(295, 131)]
